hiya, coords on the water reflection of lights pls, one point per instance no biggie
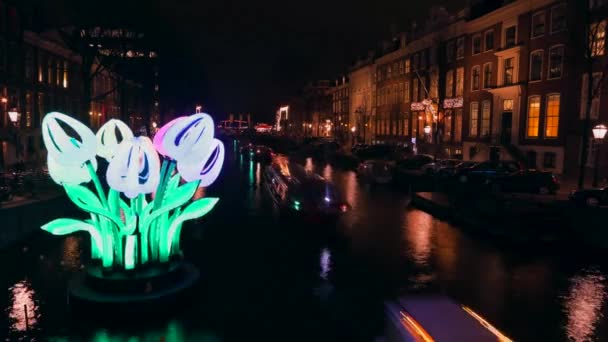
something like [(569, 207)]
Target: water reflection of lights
[(418, 230), (325, 262), (583, 305), (70, 259), (258, 174), (23, 299), (309, 167), (328, 172)]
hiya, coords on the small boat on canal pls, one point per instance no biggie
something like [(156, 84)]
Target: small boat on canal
[(428, 318), (303, 194)]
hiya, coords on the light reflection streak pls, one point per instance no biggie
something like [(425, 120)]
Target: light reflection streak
[(328, 173), (309, 167), (583, 305), (418, 231), (23, 299), (258, 174), (325, 263)]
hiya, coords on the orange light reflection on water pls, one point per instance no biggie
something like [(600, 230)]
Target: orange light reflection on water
[(583, 306), (418, 227)]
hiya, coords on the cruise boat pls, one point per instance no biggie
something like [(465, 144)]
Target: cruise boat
[(429, 318), (303, 193)]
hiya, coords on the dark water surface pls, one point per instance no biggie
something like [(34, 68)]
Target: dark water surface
[(265, 280)]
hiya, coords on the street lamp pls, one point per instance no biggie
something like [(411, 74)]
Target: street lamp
[(14, 115), (599, 133), (427, 129)]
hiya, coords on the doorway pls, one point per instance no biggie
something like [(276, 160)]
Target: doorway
[(506, 126)]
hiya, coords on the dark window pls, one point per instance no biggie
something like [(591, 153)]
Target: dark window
[(536, 65), (549, 160), (508, 77), (416, 62), (476, 44), (460, 48), (489, 38), (510, 36), (449, 52), (487, 75), (423, 60), (475, 78), (558, 18), (531, 157), (538, 24), (556, 61)]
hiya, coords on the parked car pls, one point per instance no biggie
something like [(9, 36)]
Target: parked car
[(376, 171), (448, 171), (434, 167), (415, 162), (527, 181), (484, 173), (590, 197)]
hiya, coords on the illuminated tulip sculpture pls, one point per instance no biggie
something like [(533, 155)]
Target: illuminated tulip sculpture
[(127, 226)]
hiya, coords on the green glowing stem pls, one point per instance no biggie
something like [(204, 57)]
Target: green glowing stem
[(156, 227), (130, 251), (97, 183)]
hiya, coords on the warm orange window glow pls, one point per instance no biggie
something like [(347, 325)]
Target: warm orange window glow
[(552, 119), (533, 117)]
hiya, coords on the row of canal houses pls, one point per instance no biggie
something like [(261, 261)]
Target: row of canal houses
[(497, 79)]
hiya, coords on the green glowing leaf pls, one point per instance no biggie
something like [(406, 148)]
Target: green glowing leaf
[(130, 252), (173, 183), (86, 200), (176, 198), (195, 210), (64, 226)]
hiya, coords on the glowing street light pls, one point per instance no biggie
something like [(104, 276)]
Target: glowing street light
[(353, 129), (427, 129), (14, 115), (599, 133)]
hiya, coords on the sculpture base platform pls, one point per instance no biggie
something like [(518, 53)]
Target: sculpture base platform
[(151, 290)]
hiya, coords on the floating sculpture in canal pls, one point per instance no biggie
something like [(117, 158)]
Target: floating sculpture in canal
[(137, 222), (135, 225)]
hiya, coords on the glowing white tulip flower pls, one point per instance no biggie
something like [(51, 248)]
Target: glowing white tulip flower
[(69, 174), (73, 148), (182, 137), (160, 135), (135, 168), (204, 164), (107, 138)]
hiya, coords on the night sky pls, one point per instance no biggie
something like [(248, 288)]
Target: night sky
[(249, 56)]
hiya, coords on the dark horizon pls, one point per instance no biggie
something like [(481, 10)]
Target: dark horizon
[(238, 57)]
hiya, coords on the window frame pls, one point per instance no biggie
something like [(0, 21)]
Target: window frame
[(449, 83), (539, 97), (483, 83), (486, 104), (477, 35), (549, 64), (504, 71), (534, 15), (474, 118), (542, 53), (458, 45), (546, 118), (478, 68), (551, 19), (486, 34), (506, 46), (603, 23)]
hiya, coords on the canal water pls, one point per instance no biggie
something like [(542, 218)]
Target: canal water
[(266, 280)]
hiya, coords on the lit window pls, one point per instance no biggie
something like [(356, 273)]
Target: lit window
[(415, 90), (406, 125), (552, 117), (407, 91), (476, 71), (65, 74), (474, 119), (507, 105), (459, 81), (449, 83), (536, 65), (558, 18), (538, 24), (597, 34), (508, 71), (533, 117), (458, 125), (407, 65), (487, 75), (476, 44), (489, 40), (556, 61), (485, 118), (460, 48)]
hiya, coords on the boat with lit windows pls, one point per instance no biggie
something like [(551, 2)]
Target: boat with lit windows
[(428, 318), (301, 193)]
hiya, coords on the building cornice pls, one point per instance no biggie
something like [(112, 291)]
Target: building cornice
[(513, 9), (36, 40)]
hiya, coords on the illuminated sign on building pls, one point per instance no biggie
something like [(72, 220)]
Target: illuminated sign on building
[(456, 102)]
